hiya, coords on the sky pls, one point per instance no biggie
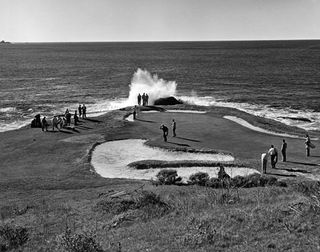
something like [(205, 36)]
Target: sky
[(158, 20)]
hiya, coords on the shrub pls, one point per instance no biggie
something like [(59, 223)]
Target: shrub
[(12, 237), (151, 204), (148, 202), (80, 242), (168, 177), (199, 232), (214, 183), (199, 178), (253, 180), (115, 206)]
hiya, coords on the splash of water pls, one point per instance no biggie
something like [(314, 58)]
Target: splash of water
[(144, 82)]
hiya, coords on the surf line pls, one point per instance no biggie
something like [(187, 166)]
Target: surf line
[(258, 129)]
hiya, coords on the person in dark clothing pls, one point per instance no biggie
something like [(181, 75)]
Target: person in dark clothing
[(68, 117), (37, 121), (165, 131), (143, 99), (139, 99), (80, 110), (284, 151), (134, 113), (75, 118), (174, 126), (44, 124), (147, 99), (222, 173), (84, 111)]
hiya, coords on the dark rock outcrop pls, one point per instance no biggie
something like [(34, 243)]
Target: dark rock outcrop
[(167, 101)]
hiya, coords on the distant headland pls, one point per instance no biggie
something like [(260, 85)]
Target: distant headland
[(4, 42)]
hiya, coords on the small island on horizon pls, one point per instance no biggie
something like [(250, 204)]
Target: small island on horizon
[(4, 42)]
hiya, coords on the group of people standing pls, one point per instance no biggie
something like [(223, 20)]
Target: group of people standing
[(82, 111), (165, 130), (273, 153), (274, 156), (144, 98), (63, 121)]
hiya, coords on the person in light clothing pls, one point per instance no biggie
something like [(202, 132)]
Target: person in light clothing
[(307, 144), (174, 126), (273, 152), (264, 162)]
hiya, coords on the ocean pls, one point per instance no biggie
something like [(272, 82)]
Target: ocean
[(273, 79)]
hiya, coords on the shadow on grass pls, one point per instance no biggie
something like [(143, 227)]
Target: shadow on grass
[(83, 127), (188, 139), (302, 163), (57, 131), (187, 145), (65, 131), (137, 119), (92, 120), (294, 170), (281, 175)]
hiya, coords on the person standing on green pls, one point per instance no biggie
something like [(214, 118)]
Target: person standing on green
[(174, 126), (274, 156), (284, 151), (307, 144), (165, 131)]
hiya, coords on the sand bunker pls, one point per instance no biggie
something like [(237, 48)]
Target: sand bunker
[(255, 128), (177, 111), (110, 160), (186, 111), (129, 118)]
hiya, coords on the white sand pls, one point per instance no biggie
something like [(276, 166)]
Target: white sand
[(176, 111), (186, 111), (110, 160), (258, 129), (129, 118)]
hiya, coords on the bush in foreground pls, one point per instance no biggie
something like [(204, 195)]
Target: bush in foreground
[(254, 180), (80, 242), (168, 177), (199, 178), (146, 203), (12, 237)]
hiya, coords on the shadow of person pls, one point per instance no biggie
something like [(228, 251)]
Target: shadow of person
[(186, 145), (281, 175), (65, 131), (92, 120), (293, 170), (302, 163), (137, 119), (188, 139)]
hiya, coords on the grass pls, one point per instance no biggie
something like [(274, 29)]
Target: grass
[(63, 206), (150, 164), (170, 218)]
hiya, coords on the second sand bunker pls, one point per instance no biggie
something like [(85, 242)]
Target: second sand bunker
[(110, 160)]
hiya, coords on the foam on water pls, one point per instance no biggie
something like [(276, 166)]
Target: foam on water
[(7, 110), (258, 129), (144, 82), (282, 115), (110, 160)]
